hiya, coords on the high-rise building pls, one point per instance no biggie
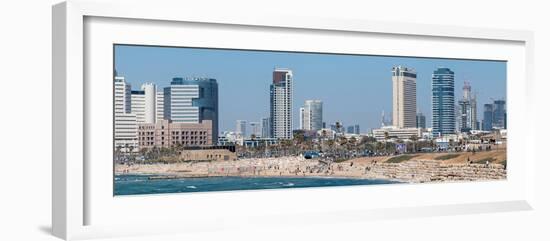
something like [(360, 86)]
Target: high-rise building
[(487, 117), (404, 97), (354, 129), (160, 106), (149, 102), (420, 120), (494, 115), (467, 110), (240, 128), (192, 100), (255, 129), (125, 124), (266, 127), (499, 114), (302, 116), (443, 102), (281, 104), (311, 115), (138, 105), (144, 103)]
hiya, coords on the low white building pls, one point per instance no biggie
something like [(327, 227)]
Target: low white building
[(326, 133), (396, 133)]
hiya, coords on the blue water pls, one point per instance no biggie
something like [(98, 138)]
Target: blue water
[(140, 184)]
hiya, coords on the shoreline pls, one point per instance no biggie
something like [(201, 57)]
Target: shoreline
[(156, 176), (415, 171)]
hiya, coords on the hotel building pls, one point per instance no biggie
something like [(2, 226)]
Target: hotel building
[(170, 134), (311, 115), (192, 101), (443, 102), (281, 104), (404, 97)]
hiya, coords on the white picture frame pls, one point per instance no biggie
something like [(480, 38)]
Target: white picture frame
[(78, 195)]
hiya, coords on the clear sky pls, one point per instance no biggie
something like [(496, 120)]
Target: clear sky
[(354, 89)]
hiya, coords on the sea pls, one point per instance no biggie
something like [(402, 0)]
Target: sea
[(141, 184)]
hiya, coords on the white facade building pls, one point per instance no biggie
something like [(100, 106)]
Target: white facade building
[(144, 103), (311, 115), (160, 106), (178, 103), (255, 129), (138, 105), (396, 133), (240, 128), (125, 124), (149, 102), (404, 97), (281, 92)]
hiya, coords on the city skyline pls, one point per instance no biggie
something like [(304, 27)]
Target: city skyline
[(354, 89)]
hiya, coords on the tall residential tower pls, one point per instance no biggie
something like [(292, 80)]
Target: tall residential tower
[(281, 104)]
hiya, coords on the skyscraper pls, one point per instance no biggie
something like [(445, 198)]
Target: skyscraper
[(499, 114), (494, 115), (311, 115), (420, 120), (240, 128), (125, 122), (404, 97), (467, 108), (266, 127), (255, 129), (302, 116), (354, 129), (443, 102), (281, 104), (487, 117), (191, 100)]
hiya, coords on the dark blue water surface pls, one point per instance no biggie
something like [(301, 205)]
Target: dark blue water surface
[(140, 184)]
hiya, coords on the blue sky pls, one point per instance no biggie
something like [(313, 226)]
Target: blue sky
[(354, 89)]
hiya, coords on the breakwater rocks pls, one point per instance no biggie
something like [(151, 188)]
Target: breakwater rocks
[(434, 171), (413, 171)]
